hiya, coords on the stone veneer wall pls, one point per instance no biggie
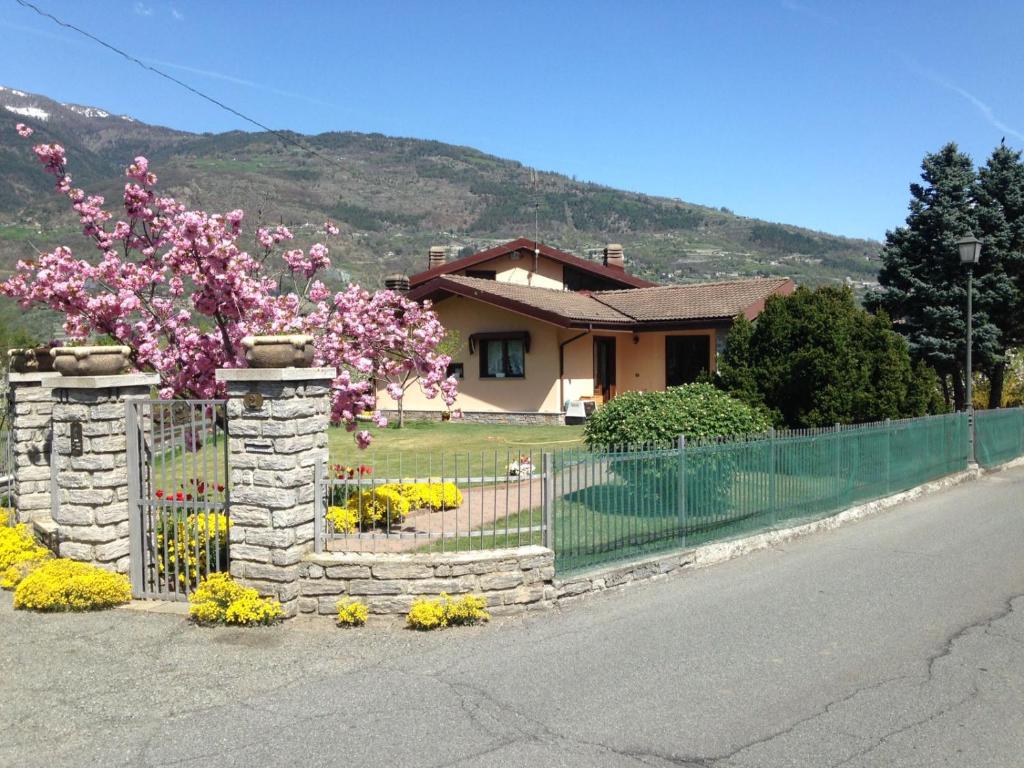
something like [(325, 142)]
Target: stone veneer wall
[(510, 580), (272, 453), (31, 399), (92, 509), (485, 417)]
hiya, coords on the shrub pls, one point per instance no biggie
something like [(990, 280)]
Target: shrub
[(466, 610), (199, 532), (816, 357), (698, 411), (433, 495), (658, 418), (67, 585), (352, 614), (6, 517), (19, 553), (343, 519), (428, 614), (390, 503), (220, 600)]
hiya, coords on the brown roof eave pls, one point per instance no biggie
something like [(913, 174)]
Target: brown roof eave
[(647, 326)]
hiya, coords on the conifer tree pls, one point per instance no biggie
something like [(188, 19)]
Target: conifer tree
[(815, 358), (999, 208), (923, 285)]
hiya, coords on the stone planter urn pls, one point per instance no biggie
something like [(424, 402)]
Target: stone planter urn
[(90, 361), (295, 351), (34, 360)]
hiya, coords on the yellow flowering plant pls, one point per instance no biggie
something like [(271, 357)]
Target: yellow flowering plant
[(426, 614), (19, 554), (352, 614), (219, 599), (178, 542), (432, 495), (382, 505), (389, 503), (67, 585)]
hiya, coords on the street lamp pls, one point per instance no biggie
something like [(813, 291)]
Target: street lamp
[(970, 254)]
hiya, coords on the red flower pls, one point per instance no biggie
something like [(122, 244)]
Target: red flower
[(220, 488), (159, 493)]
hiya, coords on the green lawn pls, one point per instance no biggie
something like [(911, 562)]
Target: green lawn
[(477, 449), (498, 535)]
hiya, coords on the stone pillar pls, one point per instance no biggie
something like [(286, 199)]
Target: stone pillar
[(92, 476), (30, 417), (276, 435)]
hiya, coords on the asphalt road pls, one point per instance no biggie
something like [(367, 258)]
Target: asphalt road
[(896, 641)]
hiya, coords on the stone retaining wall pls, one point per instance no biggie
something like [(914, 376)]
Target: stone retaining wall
[(510, 580)]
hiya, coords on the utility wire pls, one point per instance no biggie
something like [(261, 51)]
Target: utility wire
[(284, 137)]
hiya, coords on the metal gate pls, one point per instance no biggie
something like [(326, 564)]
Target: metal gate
[(177, 494)]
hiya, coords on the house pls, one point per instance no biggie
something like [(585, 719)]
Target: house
[(540, 327)]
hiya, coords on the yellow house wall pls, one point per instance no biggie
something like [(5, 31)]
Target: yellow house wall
[(520, 271), (537, 391), (640, 367), (579, 364)]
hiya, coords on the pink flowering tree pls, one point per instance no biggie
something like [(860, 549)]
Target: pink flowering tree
[(176, 288)]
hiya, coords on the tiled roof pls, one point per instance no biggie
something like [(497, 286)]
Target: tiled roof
[(568, 304), (693, 301), (631, 307)]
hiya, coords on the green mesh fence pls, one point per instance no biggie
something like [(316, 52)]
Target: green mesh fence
[(616, 505), (998, 436)]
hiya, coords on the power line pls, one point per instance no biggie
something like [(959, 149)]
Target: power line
[(282, 136)]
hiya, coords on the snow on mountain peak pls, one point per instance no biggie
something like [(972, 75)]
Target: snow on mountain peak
[(87, 111), (36, 112)]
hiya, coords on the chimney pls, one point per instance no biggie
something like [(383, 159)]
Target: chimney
[(613, 256), (397, 282), (438, 256)]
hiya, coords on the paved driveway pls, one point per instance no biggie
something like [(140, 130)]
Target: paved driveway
[(897, 641)]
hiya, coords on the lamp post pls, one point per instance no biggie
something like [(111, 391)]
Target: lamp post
[(970, 254)]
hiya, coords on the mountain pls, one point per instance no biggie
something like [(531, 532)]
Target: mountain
[(393, 198)]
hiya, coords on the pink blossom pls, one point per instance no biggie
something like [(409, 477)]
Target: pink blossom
[(176, 287), (23, 130)]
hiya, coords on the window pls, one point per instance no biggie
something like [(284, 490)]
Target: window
[(457, 370), (502, 359), (685, 358), (482, 274), (577, 280)]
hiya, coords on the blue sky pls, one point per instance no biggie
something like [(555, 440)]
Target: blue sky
[(810, 113)]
